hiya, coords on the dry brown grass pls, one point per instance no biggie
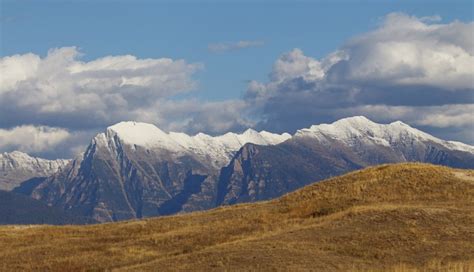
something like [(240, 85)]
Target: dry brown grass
[(404, 217)]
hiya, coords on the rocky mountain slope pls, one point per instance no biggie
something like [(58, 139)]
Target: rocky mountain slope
[(135, 170), (20, 209), (402, 217), (16, 167), (260, 172)]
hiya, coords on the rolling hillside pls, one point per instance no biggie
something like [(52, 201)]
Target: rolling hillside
[(393, 217)]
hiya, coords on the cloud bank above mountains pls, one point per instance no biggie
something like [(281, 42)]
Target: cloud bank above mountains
[(414, 69), (61, 90), (32, 138), (408, 68)]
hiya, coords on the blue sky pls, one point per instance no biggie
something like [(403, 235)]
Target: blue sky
[(69, 69), (183, 30)]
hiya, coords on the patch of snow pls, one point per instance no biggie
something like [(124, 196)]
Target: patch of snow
[(19, 159), (19, 166), (142, 134), (459, 146), (218, 150), (273, 139), (360, 129)]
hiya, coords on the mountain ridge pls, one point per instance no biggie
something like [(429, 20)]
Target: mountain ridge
[(219, 147), (17, 167), (123, 176), (132, 132), (383, 133)]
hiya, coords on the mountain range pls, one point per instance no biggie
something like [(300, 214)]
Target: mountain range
[(16, 167), (135, 170)]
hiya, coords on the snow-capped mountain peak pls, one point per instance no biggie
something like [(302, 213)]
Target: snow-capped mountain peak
[(21, 159), (356, 129), (219, 148), (142, 134), (17, 166)]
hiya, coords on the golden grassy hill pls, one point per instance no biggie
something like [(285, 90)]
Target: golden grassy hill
[(403, 217)]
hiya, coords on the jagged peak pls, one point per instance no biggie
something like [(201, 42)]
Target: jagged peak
[(345, 129), (145, 134), (16, 153), (139, 133), (219, 148), (360, 127), (250, 131), (127, 125), (398, 123), (355, 119), (354, 123), (22, 156)]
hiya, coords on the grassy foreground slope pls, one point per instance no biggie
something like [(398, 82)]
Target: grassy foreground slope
[(392, 217)]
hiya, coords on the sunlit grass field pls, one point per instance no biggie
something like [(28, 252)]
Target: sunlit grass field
[(401, 217)]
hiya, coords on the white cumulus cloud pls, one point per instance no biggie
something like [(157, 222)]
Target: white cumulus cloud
[(409, 50), (32, 139), (100, 91), (415, 69)]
